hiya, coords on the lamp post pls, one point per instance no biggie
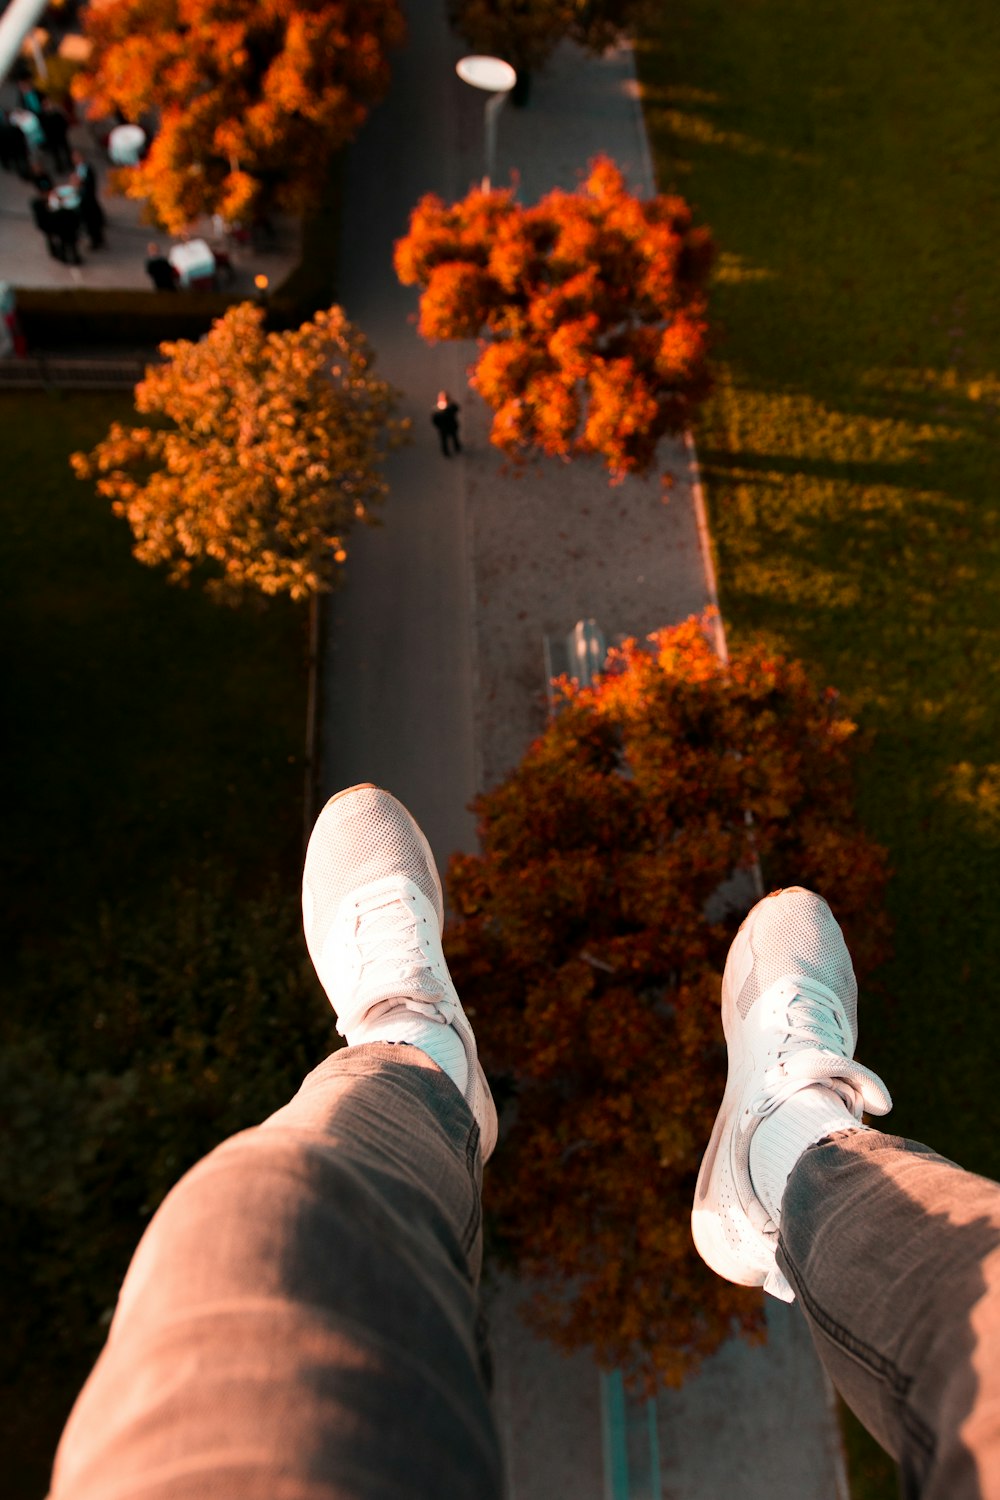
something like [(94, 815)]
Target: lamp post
[(18, 20), (497, 78)]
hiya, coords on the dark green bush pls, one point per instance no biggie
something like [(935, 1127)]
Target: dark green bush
[(130, 1049)]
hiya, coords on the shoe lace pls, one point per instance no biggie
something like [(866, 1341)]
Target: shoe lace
[(390, 935), (816, 1048), (396, 959)]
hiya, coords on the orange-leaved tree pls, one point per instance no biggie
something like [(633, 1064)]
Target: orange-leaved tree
[(527, 35), (266, 448), (251, 100), (589, 942), (594, 304)]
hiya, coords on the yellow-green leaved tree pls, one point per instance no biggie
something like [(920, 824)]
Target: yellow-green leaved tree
[(264, 450)]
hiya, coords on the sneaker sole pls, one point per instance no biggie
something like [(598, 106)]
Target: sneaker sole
[(716, 1185)]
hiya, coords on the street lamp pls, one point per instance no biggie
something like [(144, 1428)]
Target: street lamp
[(497, 78)]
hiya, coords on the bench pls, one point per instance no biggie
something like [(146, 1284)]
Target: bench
[(581, 654)]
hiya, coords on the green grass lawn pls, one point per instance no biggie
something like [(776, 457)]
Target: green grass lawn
[(146, 727), (848, 161), (152, 742)]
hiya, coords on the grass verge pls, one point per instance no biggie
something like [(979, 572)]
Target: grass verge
[(847, 163)]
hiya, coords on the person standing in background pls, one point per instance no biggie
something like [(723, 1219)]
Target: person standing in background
[(55, 127), (445, 419), (13, 146), (91, 211), (159, 269)]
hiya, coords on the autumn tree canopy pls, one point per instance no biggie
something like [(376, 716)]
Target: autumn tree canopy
[(251, 99), (589, 946), (590, 309), (265, 450), (527, 35)]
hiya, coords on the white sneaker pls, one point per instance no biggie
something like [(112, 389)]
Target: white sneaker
[(789, 1013), (373, 913)]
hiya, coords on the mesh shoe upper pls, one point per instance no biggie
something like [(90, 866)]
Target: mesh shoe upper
[(803, 938), (373, 912), (789, 1012), (374, 835)]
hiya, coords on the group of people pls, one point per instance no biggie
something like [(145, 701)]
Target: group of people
[(61, 212), (21, 140)]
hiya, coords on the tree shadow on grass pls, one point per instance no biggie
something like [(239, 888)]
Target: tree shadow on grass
[(864, 538)]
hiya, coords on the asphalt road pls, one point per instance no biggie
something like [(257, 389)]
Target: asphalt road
[(397, 685)]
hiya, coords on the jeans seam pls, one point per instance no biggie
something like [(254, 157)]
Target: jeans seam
[(472, 1224), (881, 1368)]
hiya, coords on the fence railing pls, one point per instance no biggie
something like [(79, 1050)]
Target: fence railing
[(68, 372)]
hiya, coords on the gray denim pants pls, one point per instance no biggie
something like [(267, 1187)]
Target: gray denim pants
[(300, 1320)]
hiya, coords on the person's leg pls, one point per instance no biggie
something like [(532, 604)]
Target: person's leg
[(300, 1319), (894, 1254), (94, 224), (891, 1250)]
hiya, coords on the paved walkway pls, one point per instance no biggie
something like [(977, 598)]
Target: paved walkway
[(435, 687)]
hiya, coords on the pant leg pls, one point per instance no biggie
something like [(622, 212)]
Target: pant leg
[(894, 1254), (300, 1318)]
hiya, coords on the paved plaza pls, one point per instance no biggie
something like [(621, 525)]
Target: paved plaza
[(24, 257)]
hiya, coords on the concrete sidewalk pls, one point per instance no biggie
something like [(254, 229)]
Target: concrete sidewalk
[(435, 687)]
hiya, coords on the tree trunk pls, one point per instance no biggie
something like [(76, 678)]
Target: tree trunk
[(312, 769)]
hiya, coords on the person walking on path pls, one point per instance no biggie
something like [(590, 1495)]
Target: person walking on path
[(56, 129), (91, 211), (445, 419), (61, 228), (29, 98), (13, 146), (43, 217), (159, 270), (301, 1316), (65, 225)]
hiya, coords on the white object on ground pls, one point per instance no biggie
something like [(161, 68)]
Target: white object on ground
[(125, 145), (64, 196), (192, 260)]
